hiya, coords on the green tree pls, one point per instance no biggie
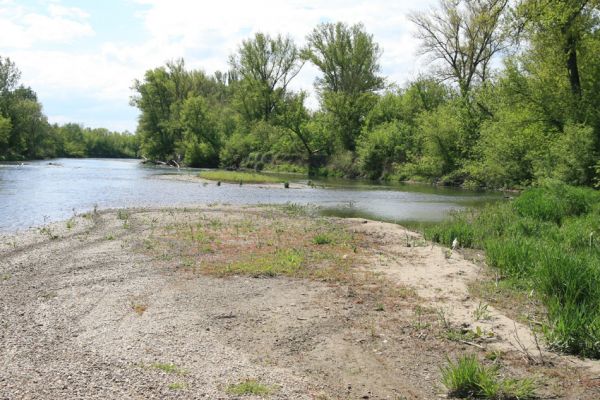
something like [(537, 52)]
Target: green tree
[(202, 140), (348, 58), (266, 65), (464, 35)]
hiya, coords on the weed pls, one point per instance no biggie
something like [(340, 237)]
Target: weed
[(110, 237), (468, 378), (70, 223), (482, 313), (138, 308), (282, 262), (379, 307), (176, 386), (169, 368), (249, 386), (122, 215), (322, 238), (4, 277), (46, 230)]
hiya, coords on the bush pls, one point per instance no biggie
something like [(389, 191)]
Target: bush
[(201, 155), (380, 148)]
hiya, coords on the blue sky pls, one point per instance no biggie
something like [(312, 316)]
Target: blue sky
[(81, 57)]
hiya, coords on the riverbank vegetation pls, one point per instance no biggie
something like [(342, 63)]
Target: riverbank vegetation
[(239, 177), (511, 99), (545, 243), (25, 132)]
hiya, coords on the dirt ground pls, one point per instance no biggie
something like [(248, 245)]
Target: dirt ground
[(127, 304)]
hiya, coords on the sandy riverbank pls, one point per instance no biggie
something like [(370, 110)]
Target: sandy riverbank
[(175, 303)]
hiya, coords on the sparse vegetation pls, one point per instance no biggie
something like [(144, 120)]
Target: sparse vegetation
[(468, 378), (177, 386), (249, 386), (139, 308), (168, 368), (46, 230), (322, 238), (240, 177), (258, 247)]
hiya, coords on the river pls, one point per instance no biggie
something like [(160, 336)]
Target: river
[(39, 192)]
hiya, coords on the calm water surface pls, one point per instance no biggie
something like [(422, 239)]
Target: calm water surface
[(37, 193)]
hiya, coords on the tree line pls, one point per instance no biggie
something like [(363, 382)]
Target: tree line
[(26, 134), (512, 99)]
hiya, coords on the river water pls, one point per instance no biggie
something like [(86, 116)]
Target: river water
[(45, 191)]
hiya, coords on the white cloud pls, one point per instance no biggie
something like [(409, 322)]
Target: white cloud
[(204, 33), (22, 28)]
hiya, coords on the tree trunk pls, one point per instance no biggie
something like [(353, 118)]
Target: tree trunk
[(572, 67)]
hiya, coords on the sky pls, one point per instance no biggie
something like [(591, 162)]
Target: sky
[(81, 57)]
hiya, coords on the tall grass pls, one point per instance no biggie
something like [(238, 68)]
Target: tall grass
[(546, 240)]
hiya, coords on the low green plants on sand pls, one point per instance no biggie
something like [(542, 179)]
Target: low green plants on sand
[(468, 378), (239, 177), (248, 387)]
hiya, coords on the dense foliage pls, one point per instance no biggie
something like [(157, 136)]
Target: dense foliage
[(533, 117), (546, 242), (26, 134)]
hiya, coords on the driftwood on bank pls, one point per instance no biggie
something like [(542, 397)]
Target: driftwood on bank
[(170, 163)]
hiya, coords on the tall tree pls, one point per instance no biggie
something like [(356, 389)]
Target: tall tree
[(565, 23), (348, 58), (464, 35), (266, 65)]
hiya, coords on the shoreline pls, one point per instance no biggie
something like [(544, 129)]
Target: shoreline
[(135, 302)]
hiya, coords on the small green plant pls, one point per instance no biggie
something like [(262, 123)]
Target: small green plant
[(482, 313), (46, 230), (168, 368), (322, 238), (70, 223), (177, 386), (122, 215), (379, 307), (468, 378), (249, 386), (110, 237), (4, 277)]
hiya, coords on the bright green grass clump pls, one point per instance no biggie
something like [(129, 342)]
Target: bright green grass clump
[(468, 378), (250, 386), (548, 241), (239, 177)]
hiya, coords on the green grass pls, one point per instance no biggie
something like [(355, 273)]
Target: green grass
[(283, 262), (468, 378), (168, 368), (239, 177), (322, 238), (177, 386), (250, 386), (546, 242)]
